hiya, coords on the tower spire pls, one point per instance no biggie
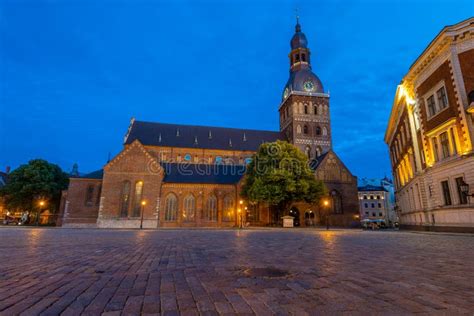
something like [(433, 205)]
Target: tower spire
[(298, 26)]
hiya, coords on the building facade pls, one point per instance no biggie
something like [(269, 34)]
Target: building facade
[(375, 205), (430, 134), (170, 175)]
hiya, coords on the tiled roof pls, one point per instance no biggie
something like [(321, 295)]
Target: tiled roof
[(98, 174), (370, 188), (202, 173), (206, 137)]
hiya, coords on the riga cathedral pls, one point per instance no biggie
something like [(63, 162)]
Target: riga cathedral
[(171, 175)]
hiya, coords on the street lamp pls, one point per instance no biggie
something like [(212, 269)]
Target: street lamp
[(239, 211), (326, 204), (465, 189), (143, 203), (41, 205)]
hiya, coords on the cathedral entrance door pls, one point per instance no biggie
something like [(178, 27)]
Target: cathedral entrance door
[(296, 214)]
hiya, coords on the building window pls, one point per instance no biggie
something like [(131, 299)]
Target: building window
[(318, 130), (125, 199), (379, 205), (189, 213), (305, 109), (443, 137), (228, 208), (305, 129), (453, 140), (366, 213), (308, 152), (315, 108), (366, 205), (319, 151), (372, 205), (430, 102), (442, 99), (378, 197), (365, 197), (298, 129), (171, 207), (435, 148), (297, 58), (211, 208), (137, 199), (99, 193), (462, 197), (373, 214), (446, 192), (380, 214), (371, 197), (303, 57), (89, 195)]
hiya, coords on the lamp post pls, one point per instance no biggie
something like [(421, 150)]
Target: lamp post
[(241, 202), (465, 189), (143, 203), (41, 205), (326, 204)]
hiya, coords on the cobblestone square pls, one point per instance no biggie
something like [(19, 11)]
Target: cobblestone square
[(253, 271)]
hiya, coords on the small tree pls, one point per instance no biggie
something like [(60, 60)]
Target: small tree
[(279, 174), (37, 180)]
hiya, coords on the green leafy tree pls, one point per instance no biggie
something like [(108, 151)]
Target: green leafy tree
[(35, 181), (279, 174)]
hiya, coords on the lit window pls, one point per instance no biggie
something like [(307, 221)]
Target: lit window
[(228, 214), (443, 137), (125, 199), (211, 209), (171, 207), (138, 199), (189, 208)]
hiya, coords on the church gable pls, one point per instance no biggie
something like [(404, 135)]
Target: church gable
[(332, 169), (134, 158)]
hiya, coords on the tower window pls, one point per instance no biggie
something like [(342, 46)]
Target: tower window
[(303, 57), (297, 58), (305, 109), (318, 130), (315, 110), (305, 129)]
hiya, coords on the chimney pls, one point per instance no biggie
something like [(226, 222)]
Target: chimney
[(7, 170)]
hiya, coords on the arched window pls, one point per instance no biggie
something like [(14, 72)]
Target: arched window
[(315, 108), (305, 129), (305, 109), (319, 151), (303, 57), (125, 199), (325, 131), (336, 202), (137, 199), (89, 195), (171, 207), (228, 208), (211, 208), (99, 193), (318, 130), (189, 213), (298, 129), (297, 58), (307, 151)]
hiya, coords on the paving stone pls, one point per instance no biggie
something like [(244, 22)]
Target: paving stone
[(202, 272)]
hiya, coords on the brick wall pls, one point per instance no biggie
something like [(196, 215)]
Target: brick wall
[(466, 59), (75, 210)]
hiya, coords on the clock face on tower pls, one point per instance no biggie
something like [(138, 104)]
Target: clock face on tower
[(308, 85), (285, 93)]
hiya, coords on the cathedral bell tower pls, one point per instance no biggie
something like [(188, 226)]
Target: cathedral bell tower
[(304, 110)]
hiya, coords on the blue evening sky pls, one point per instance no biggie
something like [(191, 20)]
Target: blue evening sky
[(73, 73)]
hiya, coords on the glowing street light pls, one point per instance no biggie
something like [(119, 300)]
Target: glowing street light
[(143, 203)]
